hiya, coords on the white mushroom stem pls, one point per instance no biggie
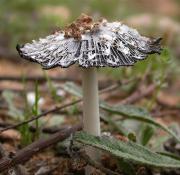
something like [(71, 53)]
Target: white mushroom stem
[(91, 119)]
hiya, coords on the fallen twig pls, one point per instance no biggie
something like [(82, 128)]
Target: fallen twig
[(50, 130), (47, 130), (36, 78), (26, 153), (57, 108), (115, 86), (17, 170)]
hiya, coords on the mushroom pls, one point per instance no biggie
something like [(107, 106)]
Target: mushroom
[(91, 45)]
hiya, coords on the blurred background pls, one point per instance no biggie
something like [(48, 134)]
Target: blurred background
[(152, 84), (22, 21)]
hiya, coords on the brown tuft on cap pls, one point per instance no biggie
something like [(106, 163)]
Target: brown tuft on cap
[(82, 24)]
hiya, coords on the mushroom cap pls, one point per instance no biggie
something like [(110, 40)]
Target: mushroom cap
[(99, 44)]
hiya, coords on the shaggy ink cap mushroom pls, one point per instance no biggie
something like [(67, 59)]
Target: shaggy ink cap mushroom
[(91, 44)]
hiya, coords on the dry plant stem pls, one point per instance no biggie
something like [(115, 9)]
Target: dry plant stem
[(139, 94), (37, 77), (57, 108), (91, 119), (26, 153)]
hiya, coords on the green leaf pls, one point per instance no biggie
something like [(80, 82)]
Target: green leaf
[(147, 131), (132, 137), (135, 113), (128, 111), (116, 126), (128, 151), (171, 155), (12, 110), (126, 167), (73, 89)]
